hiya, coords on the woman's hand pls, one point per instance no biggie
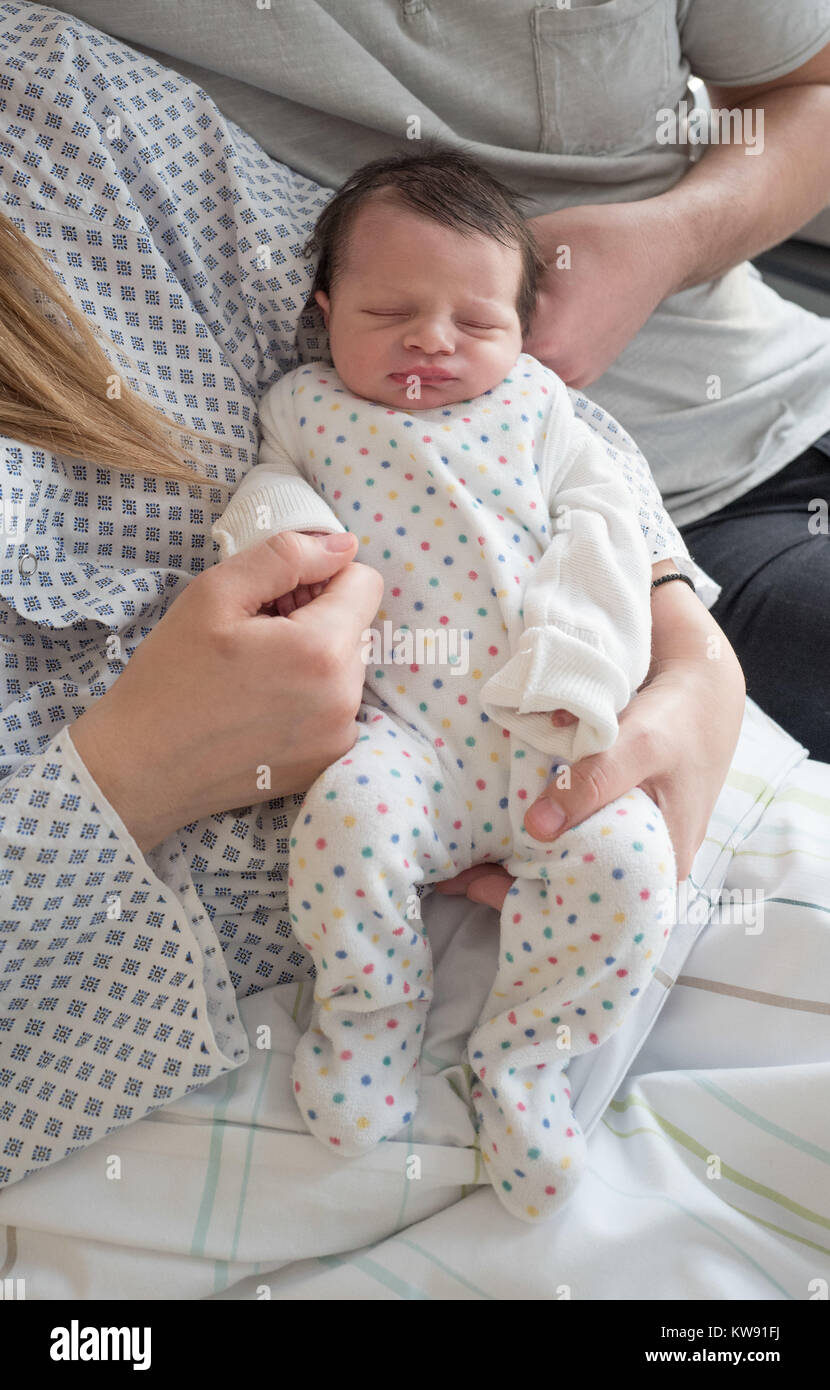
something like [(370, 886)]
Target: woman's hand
[(223, 705), (621, 261), (677, 737), (303, 594)]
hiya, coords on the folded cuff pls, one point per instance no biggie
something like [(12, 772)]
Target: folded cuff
[(554, 670), (265, 511)]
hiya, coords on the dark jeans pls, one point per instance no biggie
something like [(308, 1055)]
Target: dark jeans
[(775, 603)]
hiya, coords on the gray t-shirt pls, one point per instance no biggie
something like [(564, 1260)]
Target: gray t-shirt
[(727, 381)]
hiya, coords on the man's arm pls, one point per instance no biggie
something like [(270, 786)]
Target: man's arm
[(733, 205), (628, 257)]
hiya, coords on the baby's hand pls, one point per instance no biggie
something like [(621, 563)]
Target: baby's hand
[(303, 594)]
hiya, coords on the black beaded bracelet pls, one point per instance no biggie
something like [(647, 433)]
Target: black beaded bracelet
[(664, 579)]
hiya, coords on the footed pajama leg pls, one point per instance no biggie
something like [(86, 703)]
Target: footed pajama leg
[(581, 933), (374, 824)]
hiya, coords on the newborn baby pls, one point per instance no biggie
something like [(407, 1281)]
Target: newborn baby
[(500, 518)]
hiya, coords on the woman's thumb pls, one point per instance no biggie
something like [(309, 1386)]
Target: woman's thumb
[(338, 540), (280, 563)]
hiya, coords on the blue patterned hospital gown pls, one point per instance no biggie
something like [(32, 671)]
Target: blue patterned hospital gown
[(175, 233)]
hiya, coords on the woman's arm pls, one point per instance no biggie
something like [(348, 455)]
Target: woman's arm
[(115, 994)]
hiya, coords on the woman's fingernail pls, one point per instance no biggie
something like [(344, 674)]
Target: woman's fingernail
[(341, 540), (547, 818)]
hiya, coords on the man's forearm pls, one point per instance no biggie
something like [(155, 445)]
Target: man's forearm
[(732, 205)]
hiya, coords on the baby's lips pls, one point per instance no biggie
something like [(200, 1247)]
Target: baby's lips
[(562, 717)]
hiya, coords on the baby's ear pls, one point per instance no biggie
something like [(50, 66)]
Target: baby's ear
[(324, 302)]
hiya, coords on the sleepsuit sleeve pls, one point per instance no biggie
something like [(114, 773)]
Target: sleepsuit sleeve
[(275, 495), (586, 639)]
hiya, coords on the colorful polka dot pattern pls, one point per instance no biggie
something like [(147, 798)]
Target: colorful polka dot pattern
[(448, 505), (580, 939), (372, 826), (582, 930)]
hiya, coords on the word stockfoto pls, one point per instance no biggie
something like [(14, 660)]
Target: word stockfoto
[(76, 1343)]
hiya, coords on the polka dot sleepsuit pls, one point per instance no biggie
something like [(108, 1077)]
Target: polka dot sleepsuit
[(517, 582)]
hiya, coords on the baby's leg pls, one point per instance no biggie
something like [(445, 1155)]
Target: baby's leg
[(374, 824), (582, 931)]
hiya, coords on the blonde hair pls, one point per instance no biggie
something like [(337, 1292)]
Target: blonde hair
[(54, 378)]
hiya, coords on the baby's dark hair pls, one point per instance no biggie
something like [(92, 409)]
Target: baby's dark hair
[(442, 183)]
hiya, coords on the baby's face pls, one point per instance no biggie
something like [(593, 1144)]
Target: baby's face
[(418, 299)]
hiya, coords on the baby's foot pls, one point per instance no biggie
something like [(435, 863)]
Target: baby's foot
[(356, 1075), (533, 1148)]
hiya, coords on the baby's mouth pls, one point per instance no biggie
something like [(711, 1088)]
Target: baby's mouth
[(426, 378)]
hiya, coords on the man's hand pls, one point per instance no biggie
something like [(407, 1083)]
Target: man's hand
[(622, 259)]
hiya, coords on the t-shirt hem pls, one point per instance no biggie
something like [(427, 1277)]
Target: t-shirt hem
[(689, 514)]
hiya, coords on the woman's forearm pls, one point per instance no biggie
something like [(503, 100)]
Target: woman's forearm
[(732, 204)]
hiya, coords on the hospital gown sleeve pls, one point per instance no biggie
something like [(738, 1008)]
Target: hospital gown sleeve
[(585, 645), (274, 496), (114, 995)]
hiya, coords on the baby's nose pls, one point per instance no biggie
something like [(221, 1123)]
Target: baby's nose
[(433, 335)]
